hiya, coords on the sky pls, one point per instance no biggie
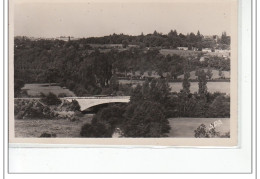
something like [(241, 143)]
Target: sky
[(99, 19)]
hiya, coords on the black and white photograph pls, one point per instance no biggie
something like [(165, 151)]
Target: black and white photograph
[(123, 72)]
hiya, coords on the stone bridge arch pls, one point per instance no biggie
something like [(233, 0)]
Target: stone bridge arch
[(88, 102)]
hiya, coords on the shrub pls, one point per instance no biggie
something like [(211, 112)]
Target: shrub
[(61, 95), (51, 99), (31, 109), (203, 132), (97, 129), (74, 105), (145, 119), (45, 135)]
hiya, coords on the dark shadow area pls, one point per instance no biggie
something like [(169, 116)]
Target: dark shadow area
[(95, 109)]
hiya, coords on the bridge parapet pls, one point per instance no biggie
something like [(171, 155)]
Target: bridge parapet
[(96, 97)]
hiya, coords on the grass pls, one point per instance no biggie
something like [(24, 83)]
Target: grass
[(215, 74), (183, 53), (184, 127), (36, 89), (61, 127), (222, 87), (180, 127)]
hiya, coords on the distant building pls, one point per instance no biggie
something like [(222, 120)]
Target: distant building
[(182, 48), (64, 38), (206, 50)]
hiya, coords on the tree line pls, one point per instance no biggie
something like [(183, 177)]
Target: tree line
[(170, 40), (85, 71)]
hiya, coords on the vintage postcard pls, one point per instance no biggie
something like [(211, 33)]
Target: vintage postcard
[(123, 72)]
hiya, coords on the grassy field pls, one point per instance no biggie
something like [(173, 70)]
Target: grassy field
[(36, 89), (222, 87), (62, 128), (180, 127), (183, 53), (215, 74), (184, 127)]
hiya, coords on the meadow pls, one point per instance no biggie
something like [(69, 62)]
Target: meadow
[(222, 87), (61, 127), (184, 127), (45, 88), (180, 127)]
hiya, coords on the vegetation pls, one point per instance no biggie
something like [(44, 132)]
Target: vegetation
[(152, 104), (86, 70), (203, 132), (50, 99)]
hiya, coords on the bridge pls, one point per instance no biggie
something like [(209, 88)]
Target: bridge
[(88, 102)]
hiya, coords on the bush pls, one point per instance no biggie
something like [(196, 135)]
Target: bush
[(50, 99), (145, 119), (96, 130), (45, 135), (203, 132), (220, 107), (31, 109), (61, 95), (74, 105)]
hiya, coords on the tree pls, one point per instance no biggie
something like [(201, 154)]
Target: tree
[(51, 75), (220, 74), (104, 122), (18, 84), (220, 107), (209, 73), (114, 83), (136, 94), (225, 39), (202, 83), (146, 119), (50, 99), (159, 91), (186, 83), (201, 132), (173, 72), (124, 43), (198, 36)]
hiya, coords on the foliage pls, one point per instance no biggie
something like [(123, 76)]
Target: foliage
[(186, 83), (87, 71), (95, 130), (31, 109), (74, 105), (202, 83), (104, 122), (45, 134), (203, 132), (18, 84), (220, 107), (50, 99), (145, 119), (209, 73)]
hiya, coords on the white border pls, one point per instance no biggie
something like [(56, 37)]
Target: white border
[(149, 160)]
